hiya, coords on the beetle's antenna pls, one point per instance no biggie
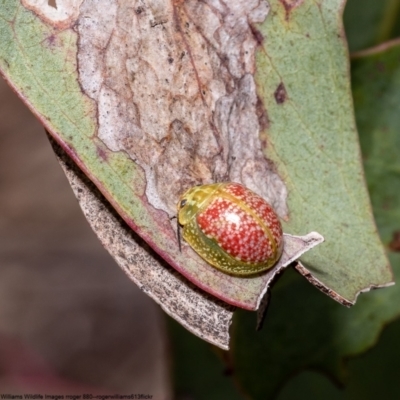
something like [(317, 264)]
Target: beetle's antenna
[(178, 232)]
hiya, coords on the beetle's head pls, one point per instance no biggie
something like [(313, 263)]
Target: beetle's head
[(193, 201)]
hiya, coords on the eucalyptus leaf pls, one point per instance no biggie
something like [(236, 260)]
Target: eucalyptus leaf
[(141, 116), (152, 97)]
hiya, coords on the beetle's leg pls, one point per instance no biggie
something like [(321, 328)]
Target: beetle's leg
[(178, 232)]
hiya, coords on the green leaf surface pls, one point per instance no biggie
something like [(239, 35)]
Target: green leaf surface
[(304, 81), (306, 330)]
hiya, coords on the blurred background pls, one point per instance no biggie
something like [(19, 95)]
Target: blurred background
[(71, 321)]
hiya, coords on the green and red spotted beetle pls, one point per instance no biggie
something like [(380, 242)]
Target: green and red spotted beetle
[(232, 228)]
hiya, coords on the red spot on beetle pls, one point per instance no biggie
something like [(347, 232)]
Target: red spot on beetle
[(238, 231), (260, 207)]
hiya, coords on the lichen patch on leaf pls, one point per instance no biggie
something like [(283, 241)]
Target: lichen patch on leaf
[(174, 87)]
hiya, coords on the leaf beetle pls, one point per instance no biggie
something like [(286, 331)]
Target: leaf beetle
[(232, 228)]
